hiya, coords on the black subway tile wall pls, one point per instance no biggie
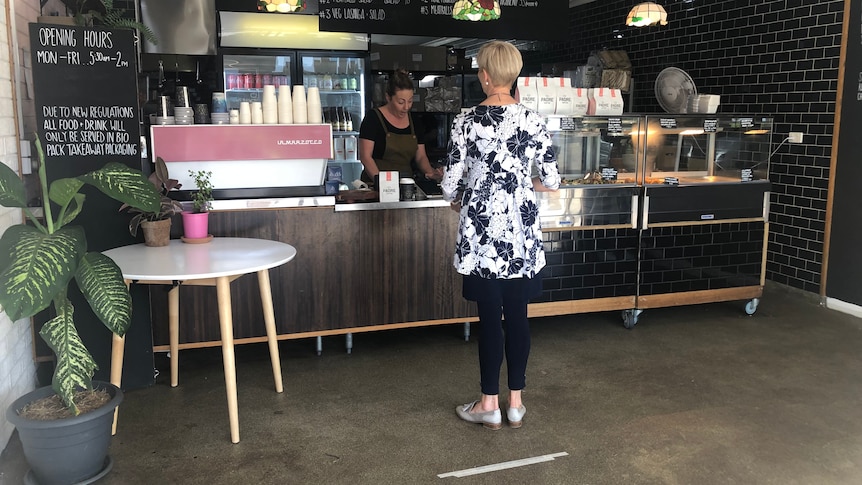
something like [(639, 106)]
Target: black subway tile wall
[(769, 57), (587, 264), (700, 257)]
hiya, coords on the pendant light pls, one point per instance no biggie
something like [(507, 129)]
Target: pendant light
[(476, 10), (281, 6), (646, 13)]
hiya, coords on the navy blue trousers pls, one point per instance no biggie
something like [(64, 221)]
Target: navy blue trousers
[(497, 299)]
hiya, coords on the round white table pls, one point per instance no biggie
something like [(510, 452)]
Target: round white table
[(216, 263)]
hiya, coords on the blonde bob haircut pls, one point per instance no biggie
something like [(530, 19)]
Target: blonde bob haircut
[(502, 61)]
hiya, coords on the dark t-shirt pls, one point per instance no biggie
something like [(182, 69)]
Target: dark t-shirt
[(371, 129)]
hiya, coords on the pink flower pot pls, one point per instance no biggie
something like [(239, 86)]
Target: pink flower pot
[(195, 225)]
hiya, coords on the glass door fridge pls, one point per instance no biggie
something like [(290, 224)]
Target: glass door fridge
[(338, 75)]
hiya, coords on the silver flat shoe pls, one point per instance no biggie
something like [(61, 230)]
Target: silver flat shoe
[(516, 416), (490, 419)]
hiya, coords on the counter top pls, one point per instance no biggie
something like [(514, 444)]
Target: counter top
[(431, 201), (318, 201), (270, 203)]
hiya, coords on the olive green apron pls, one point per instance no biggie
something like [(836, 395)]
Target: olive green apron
[(400, 150)]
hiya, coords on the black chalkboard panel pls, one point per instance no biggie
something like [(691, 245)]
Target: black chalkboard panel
[(844, 265), (86, 98), (519, 19), (85, 81)]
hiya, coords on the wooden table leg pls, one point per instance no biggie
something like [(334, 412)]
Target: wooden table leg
[(174, 332), (118, 347), (226, 325), (269, 321)]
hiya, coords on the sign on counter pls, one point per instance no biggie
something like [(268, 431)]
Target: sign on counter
[(518, 19), (85, 84)]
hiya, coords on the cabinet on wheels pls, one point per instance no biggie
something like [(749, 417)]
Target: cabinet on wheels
[(589, 226), (704, 217)]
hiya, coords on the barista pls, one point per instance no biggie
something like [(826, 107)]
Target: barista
[(388, 136)]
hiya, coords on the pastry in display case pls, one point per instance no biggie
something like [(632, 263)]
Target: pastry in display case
[(593, 152)]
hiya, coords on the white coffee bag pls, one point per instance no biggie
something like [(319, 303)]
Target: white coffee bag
[(526, 94)]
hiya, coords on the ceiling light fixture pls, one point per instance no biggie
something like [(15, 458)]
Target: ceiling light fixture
[(646, 13), (476, 10), (281, 6)]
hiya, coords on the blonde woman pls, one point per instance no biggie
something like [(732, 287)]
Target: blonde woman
[(492, 150)]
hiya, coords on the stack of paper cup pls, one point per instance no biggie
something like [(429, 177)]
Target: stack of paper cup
[(315, 112), (300, 109), (285, 107), (270, 105), (244, 113), (233, 117), (256, 113)]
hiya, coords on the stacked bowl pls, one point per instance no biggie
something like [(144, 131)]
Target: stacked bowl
[(184, 115)]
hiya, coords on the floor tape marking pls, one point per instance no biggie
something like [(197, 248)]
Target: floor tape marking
[(502, 466)]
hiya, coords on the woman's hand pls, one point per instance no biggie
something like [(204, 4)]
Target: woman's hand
[(455, 206), (435, 174)]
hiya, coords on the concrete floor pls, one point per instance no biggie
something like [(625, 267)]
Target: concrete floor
[(692, 395)]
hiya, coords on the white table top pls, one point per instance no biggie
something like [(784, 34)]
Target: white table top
[(223, 256)]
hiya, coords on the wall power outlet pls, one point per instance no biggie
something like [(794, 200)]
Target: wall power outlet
[(795, 137)]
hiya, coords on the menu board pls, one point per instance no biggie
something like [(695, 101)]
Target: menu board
[(85, 84), (86, 99), (519, 19)]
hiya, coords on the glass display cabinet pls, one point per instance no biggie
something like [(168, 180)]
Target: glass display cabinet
[(599, 166), (704, 221), (589, 225), (705, 168)]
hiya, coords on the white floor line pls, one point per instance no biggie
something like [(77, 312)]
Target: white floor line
[(502, 466)]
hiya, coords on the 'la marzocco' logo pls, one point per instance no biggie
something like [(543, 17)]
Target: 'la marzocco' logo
[(301, 142)]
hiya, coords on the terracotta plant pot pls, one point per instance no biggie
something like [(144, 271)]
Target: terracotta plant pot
[(195, 225), (66, 451), (157, 233)]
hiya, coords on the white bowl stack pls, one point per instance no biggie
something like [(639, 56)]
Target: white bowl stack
[(184, 115), (703, 103)]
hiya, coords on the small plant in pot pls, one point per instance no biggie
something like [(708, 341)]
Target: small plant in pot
[(38, 261), (156, 224), (196, 221)]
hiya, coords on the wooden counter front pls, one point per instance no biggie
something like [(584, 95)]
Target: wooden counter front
[(354, 271)]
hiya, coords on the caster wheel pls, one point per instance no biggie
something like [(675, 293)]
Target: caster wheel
[(630, 318), (751, 306)]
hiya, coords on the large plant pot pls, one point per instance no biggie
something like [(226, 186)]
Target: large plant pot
[(66, 451), (157, 233), (195, 225)]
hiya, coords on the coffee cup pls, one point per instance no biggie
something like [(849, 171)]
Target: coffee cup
[(408, 188)]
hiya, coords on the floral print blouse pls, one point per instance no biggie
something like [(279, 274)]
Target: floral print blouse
[(492, 150)]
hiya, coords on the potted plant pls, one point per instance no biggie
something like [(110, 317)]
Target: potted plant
[(87, 12), (156, 223), (38, 261), (103, 12), (196, 221)]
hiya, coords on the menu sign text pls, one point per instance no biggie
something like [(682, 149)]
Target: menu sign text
[(85, 82), (518, 18)]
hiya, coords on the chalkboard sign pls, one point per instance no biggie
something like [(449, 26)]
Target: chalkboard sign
[(86, 98), (519, 19), (85, 81), (846, 236)]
